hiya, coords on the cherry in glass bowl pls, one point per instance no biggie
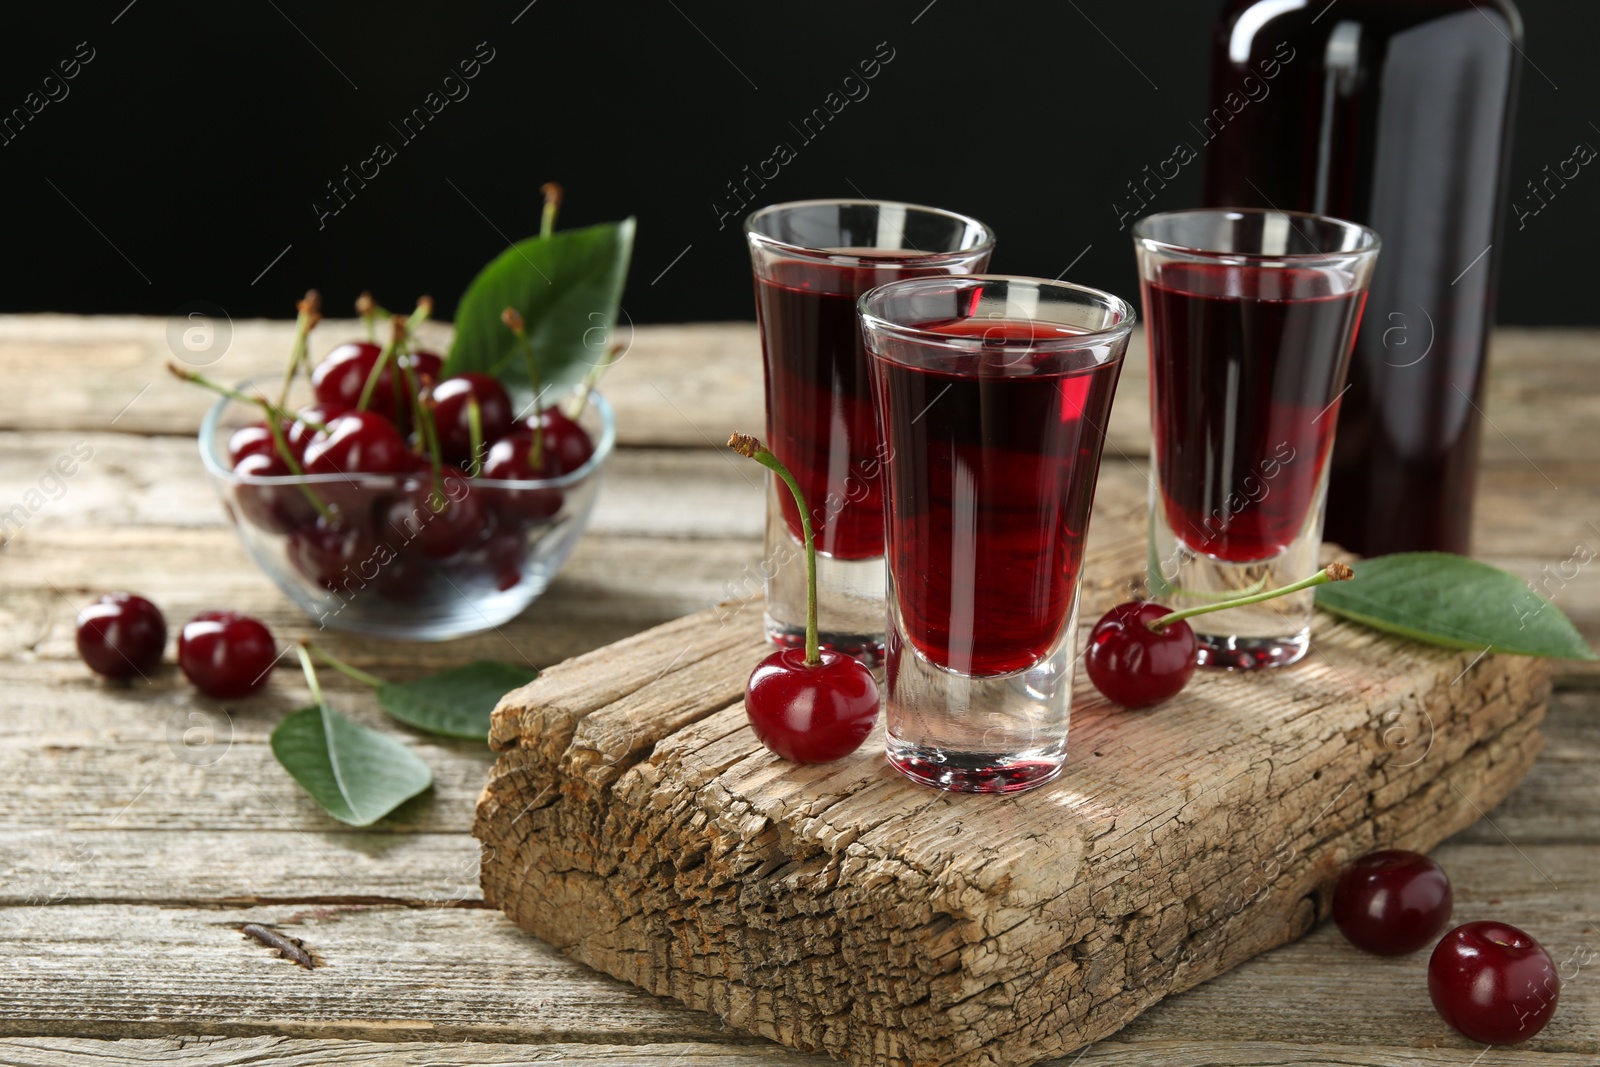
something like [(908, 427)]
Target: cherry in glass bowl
[(389, 565)]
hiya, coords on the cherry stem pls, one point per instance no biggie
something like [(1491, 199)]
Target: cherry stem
[(275, 417), (368, 309), (475, 435), (751, 448), (370, 386), (309, 313), (552, 204), (404, 329), (310, 671), (513, 320), (287, 455), (1333, 572), (341, 666)]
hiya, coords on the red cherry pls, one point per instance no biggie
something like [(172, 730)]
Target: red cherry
[(357, 442), (121, 635), (564, 439), (274, 508), (226, 654), (451, 402), (509, 460), (340, 557), (342, 375), (439, 525), (298, 434), (1493, 983), (1392, 902), (425, 366), (1134, 665), (504, 553), (249, 440), (811, 714)]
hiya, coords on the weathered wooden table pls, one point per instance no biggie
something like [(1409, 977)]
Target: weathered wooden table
[(140, 827)]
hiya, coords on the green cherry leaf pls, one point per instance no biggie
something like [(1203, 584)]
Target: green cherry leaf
[(455, 702), (567, 286), (357, 775), (1456, 602)]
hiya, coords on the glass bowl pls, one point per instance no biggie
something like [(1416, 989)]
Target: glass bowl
[(372, 564)]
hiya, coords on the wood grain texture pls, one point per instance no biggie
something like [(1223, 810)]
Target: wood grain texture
[(677, 526), (635, 823), (677, 386), (292, 1052), (441, 971)]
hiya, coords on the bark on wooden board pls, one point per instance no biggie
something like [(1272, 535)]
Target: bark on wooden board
[(635, 824)]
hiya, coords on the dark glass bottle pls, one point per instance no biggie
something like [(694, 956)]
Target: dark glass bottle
[(1395, 114)]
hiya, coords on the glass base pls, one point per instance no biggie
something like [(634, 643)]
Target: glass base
[(976, 772), (1273, 633), (1251, 653), (992, 734)]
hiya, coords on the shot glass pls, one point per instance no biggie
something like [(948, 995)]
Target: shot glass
[(1250, 316), (812, 260), (992, 394)]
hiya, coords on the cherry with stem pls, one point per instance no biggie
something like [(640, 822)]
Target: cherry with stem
[(820, 705), (275, 418), (401, 325), (1141, 654)]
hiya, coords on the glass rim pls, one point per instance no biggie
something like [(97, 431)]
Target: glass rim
[(1127, 316), (1370, 246), (212, 459), (891, 257)]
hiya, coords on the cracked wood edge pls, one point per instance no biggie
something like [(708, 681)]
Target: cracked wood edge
[(813, 906)]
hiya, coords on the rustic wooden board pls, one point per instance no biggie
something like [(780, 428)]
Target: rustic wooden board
[(636, 824)]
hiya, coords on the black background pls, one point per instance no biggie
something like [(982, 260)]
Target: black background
[(189, 151)]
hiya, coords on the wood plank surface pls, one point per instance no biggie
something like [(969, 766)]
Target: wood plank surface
[(635, 823), (289, 1052), (676, 524)]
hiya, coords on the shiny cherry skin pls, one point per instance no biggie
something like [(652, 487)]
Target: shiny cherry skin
[(451, 413), (225, 654), (1134, 665), (510, 459), (340, 557), (121, 635), (504, 552), (564, 439), (297, 434), (274, 508), (1392, 902), (1493, 983), (426, 367), (357, 442), (811, 714), (438, 525), (249, 440), (341, 376)]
